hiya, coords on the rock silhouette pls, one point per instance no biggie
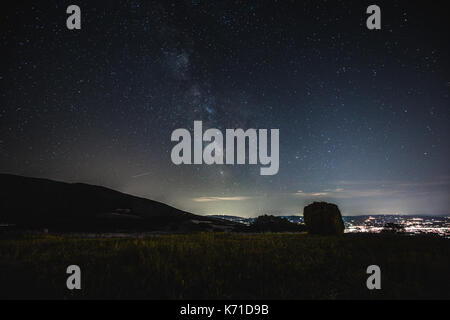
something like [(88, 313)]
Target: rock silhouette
[(323, 218)]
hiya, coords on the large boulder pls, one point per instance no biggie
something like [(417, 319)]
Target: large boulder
[(323, 218)]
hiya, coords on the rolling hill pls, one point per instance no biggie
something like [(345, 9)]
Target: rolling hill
[(42, 203)]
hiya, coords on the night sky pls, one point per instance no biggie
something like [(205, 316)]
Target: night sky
[(363, 115)]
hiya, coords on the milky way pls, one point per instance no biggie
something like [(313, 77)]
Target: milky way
[(363, 115)]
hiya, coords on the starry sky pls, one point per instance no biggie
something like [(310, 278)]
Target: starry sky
[(363, 115)]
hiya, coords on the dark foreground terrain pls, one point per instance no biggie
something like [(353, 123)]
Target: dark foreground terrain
[(226, 265)]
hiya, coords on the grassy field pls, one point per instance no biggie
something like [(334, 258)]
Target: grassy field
[(226, 266)]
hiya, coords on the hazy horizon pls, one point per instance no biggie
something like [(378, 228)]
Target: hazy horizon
[(213, 201)]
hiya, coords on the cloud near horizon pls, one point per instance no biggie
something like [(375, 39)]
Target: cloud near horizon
[(353, 198), (359, 190), (209, 199)]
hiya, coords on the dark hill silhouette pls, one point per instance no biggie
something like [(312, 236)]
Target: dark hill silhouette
[(36, 202)]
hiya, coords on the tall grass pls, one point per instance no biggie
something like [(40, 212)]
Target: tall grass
[(225, 266)]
